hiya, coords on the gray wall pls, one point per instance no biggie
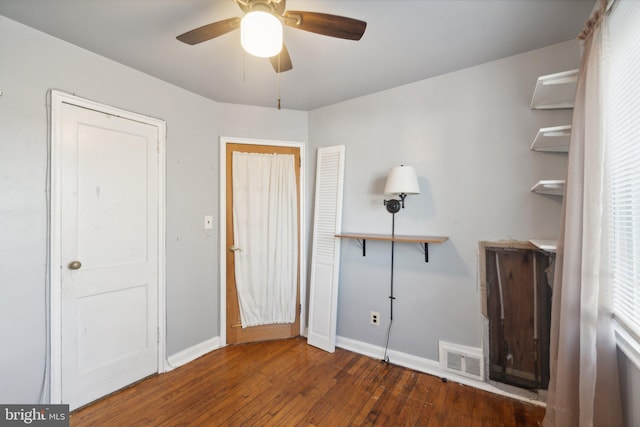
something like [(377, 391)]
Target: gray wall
[(467, 134), (31, 63)]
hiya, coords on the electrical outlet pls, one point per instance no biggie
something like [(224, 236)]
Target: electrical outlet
[(374, 318)]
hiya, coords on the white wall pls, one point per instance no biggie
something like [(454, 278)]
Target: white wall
[(468, 134), (31, 63)]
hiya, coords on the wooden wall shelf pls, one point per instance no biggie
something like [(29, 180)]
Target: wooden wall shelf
[(422, 240)]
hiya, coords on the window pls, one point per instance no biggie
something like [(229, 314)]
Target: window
[(623, 162)]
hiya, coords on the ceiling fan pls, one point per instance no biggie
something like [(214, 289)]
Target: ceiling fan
[(320, 23)]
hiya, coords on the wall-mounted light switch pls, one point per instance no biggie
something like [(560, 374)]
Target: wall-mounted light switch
[(208, 222)]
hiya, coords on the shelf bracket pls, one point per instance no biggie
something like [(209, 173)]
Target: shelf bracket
[(363, 244), (425, 248)]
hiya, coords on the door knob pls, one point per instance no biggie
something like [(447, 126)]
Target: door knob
[(234, 249), (75, 265)]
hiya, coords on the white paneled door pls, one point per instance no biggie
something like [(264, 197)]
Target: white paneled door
[(109, 252)]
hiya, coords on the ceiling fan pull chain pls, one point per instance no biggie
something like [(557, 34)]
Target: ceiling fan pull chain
[(278, 81)]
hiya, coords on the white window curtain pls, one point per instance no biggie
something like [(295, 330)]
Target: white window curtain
[(265, 227), (584, 389)]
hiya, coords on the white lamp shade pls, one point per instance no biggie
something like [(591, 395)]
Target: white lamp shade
[(261, 34), (402, 179)]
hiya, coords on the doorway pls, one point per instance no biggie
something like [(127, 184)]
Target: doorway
[(106, 255), (231, 327), (517, 293)]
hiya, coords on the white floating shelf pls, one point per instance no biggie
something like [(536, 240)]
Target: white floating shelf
[(545, 245), (555, 91), (555, 139), (553, 187)]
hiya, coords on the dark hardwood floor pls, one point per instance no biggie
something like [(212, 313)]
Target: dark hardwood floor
[(289, 383)]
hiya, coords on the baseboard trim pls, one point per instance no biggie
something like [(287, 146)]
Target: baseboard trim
[(426, 366), (192, 353)]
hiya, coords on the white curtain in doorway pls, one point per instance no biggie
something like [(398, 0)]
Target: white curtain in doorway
[(265, 228)]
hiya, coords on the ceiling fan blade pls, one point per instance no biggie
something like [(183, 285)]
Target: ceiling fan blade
[(210, 31), (325, 24), (282, 61)]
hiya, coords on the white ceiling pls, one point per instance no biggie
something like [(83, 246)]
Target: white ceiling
[(405, 41)]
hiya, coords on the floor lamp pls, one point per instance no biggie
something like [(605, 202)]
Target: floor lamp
[(401, 181)]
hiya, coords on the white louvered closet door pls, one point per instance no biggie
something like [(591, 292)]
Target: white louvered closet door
[(325, 255)]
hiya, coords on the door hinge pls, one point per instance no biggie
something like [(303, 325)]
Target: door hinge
[(300, 309)]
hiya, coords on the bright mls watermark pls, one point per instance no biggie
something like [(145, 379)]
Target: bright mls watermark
[(34, 415)]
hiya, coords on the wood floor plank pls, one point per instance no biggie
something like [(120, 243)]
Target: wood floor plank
[(359, 393), (413, 413), (423, 386), (289, 383), (438, 398)]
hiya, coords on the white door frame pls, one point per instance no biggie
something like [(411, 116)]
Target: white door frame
[(57, 100), (222, 223)]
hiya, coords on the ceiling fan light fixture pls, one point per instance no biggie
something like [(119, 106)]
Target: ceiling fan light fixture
[(261, 34)]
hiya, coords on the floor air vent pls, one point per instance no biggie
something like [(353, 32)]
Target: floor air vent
[(462, 360)]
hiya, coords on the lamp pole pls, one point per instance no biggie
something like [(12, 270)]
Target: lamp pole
[(393, 207), (402, 180), (393, 234)]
